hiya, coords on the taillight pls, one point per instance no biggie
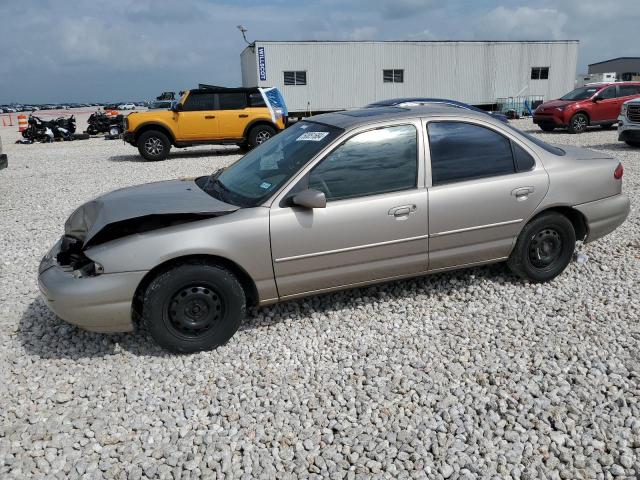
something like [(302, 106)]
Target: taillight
[(619, 171)]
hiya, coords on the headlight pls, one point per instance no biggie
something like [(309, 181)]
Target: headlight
[(623, 110)]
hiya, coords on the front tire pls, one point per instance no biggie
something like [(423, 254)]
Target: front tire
[(607, 126), (260, 134), (578, 123), (153, 145), (544, 248), (633, 143), (194, 306)]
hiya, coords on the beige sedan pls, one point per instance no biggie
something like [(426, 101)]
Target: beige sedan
[(335, 201)]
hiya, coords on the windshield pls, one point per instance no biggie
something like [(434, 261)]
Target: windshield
[(581, 93), (262, 171), (544, 145)]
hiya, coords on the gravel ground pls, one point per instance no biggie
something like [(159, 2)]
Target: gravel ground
[(471, 374)]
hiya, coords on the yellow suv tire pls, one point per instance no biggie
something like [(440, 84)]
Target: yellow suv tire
[(153, 145), (260, 134)]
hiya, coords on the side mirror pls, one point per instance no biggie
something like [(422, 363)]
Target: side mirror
[(596, 99), (310, 198), (177, 107)]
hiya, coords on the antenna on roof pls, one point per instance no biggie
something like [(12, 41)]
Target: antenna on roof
[(243, 31)]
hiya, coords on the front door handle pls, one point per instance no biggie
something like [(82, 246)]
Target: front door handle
[(243, 115), (521, 193), (209, 117), (402, 211)]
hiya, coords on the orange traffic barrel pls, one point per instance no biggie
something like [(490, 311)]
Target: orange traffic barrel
[(22, 123)]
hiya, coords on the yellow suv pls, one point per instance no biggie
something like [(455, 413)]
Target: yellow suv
[(212, 115)]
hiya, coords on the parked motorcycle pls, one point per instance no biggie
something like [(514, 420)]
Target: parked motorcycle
[(39, 130), (102, 123)]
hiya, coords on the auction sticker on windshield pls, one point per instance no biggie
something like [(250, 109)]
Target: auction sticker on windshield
[(312, 136)]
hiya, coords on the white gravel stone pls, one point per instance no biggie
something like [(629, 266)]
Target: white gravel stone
[(470, 374)]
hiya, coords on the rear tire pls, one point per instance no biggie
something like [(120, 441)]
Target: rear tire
[(632, 143), (153, 145), (578, 123), (547, 128), (544, 248), (260, 134), (192, 307)]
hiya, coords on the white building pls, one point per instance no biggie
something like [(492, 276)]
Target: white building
[(321, 76)]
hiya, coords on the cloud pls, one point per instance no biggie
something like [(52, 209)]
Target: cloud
[(522, 23), (133, 49), (363, 33), (398, 9)]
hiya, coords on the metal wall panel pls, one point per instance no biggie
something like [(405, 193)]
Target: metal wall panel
[(249, 68), (344, 75)]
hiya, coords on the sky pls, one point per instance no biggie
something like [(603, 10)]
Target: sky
[(121, 50)]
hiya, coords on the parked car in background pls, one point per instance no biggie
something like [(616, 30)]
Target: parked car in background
[(335, 201), (162, 104), (593, 104), (629, 123), (415, 101), (204, 116), (127, 106)]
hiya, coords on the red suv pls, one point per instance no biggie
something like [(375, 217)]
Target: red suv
[(593, 104)]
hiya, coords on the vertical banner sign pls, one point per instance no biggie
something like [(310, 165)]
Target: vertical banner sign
[(261, 64)]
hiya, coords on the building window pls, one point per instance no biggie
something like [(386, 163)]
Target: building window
[(295, 78), (539, 73), (393, 76)]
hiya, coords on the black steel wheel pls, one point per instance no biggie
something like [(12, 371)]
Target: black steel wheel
[(195, 309), (193, 306), (544, 248)]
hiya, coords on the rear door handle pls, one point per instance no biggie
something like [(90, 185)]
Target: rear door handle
[(209, 117), (521, 193), (403, 210)]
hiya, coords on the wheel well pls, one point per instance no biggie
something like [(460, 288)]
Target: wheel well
[(249, 287), (154, 126), (575, 217), (257, 123)]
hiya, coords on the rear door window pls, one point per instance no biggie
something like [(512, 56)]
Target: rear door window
[(629, 90), (465, 151), (232, 101)]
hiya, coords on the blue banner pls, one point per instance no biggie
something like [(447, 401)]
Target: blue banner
[(262, 66)]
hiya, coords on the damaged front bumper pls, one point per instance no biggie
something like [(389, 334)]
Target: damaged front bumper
[(98, 302)]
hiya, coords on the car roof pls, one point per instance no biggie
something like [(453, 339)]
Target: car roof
[(397, 101), (348, 119), (607, 84)]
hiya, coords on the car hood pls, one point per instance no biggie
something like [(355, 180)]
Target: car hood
[(142, 208), (554, 104)]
